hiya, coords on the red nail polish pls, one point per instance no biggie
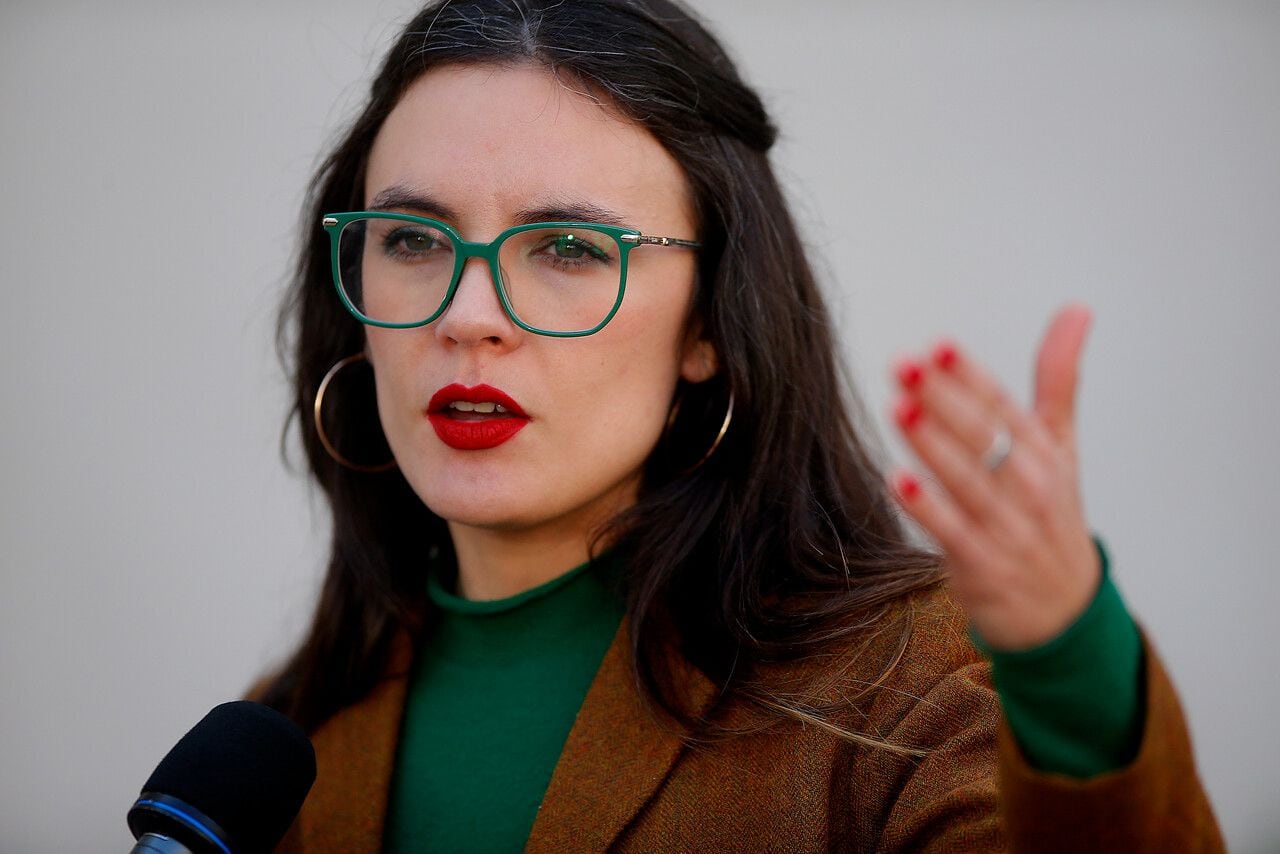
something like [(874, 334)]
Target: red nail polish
[(908, 486), (910, 372), (945, 355), (908, 412)]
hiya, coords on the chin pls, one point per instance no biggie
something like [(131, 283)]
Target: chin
[(493, 515), (489, 502), (523, 506)]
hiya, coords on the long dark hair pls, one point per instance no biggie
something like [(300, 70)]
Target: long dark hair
[(783, 544)]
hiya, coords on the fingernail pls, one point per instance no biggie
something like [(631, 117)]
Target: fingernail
[(910, 372), (907, 412), (945, 355), (907, 486)]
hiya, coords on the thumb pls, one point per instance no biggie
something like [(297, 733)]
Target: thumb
[(1058, 368)]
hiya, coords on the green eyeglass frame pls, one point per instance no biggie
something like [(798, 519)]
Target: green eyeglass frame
[(626, 239)]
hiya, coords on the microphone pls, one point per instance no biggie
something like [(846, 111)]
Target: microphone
[(232, 785)]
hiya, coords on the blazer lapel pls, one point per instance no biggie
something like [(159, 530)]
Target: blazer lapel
[(355, 757), (616, 756)]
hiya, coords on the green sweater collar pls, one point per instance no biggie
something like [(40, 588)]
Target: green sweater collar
[(445, 600)]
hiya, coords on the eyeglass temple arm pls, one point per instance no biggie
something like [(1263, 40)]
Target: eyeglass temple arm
[(641, 239)]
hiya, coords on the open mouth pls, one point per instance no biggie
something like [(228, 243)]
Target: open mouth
[(465, 410), (475, 418)]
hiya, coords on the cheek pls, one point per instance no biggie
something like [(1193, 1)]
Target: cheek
[(632, 377), (613, 397), (393, 374)]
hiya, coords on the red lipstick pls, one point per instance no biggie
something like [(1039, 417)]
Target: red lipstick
[(478, 425)]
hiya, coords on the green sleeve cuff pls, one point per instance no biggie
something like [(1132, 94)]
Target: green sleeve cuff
[(1074, 702)]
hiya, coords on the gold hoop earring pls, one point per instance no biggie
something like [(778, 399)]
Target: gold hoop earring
[(724, 428), (671, 416), (319, 421)]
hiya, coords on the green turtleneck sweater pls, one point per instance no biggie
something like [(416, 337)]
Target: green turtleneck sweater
[(497, 684)]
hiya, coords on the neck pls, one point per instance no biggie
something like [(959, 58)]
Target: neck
[(494, 563)]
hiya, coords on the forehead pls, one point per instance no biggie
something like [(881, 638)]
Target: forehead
[(492, 140)]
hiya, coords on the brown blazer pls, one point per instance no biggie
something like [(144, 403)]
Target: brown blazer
[(625, 782)]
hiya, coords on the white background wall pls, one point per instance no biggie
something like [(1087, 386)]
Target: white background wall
[(961, 168)]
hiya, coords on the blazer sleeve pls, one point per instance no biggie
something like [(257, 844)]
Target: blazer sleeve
[(1156, 803), (972, 789)]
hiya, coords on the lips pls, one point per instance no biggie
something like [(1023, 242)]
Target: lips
[(476, 423)]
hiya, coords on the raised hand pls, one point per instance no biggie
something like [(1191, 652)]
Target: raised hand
[(1007, 508)]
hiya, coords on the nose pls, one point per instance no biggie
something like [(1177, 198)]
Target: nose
[(474, 315)]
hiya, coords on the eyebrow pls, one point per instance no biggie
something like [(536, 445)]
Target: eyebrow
[(568, 210), (398, 197), (404, 198)]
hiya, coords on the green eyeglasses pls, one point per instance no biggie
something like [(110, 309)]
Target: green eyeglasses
[(564, 279)]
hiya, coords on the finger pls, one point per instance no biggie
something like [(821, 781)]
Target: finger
[(1058, 369), (972, 407), (940, 518), (1024, 482), (968, 482), (967, 400)]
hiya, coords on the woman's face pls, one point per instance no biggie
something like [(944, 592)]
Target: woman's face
[(482, 148)]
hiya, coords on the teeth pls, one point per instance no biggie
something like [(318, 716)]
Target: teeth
[(483, 408)]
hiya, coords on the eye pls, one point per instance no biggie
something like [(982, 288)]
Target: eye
[(411, 242), (575, 247), (568, 246)]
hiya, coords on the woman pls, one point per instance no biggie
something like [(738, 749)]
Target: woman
[(611, 567)]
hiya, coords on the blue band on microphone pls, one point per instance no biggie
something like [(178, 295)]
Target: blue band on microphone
[(187, 819)]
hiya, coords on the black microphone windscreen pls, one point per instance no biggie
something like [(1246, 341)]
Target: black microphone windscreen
[(245, 766)]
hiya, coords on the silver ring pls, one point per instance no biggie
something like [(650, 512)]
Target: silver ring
[(999, 450)]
